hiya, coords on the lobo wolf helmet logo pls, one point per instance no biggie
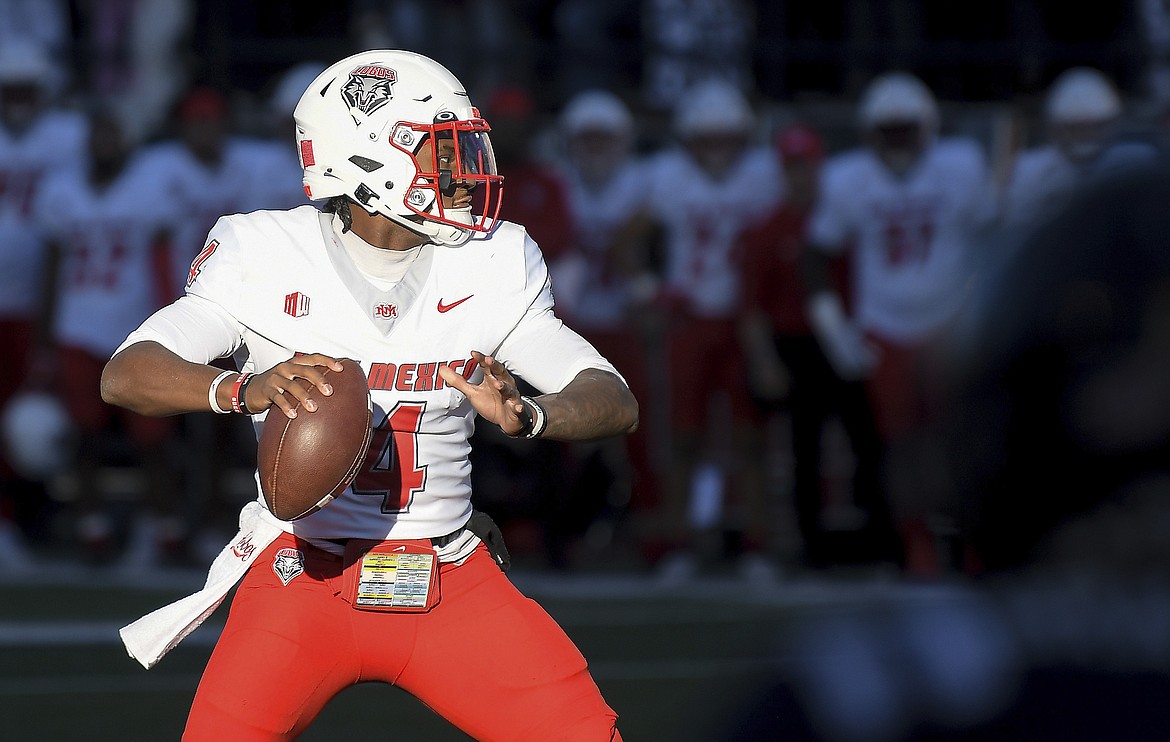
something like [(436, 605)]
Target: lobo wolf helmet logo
[(288, 564), (368, 87)]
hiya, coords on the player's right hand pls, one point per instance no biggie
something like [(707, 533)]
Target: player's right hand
[(291, 384)]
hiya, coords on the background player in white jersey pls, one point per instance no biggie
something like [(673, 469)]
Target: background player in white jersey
[(36, 139), (907, 205), (606, 181), (701, 196), (1082, 115), (108, 261), (276, 176), (407, 272)]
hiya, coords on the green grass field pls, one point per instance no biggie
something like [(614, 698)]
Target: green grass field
[(675, 664)]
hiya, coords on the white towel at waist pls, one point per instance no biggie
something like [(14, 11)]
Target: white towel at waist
[(160, 631)]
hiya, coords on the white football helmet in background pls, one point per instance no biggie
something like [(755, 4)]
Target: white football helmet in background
[(1081, 109), (1080, 95), (367, 128), (899, 117), (38, 434), (713, 107)]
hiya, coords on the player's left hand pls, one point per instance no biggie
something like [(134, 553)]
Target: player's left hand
[(496, 398)]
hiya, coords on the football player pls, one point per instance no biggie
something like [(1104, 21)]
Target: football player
[(407, 271), (787, 367), (606, 181), (36, 138), (906, 205), (702, 194), (108, 263), (1082, 113)]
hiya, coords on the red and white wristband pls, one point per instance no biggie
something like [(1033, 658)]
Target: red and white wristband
[(238, 389)]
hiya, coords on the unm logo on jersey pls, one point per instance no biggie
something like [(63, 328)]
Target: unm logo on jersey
[(368, 88), (288, 564)]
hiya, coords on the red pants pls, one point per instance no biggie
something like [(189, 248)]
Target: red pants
[(486, 658)]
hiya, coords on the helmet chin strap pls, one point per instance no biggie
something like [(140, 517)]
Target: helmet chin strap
[(438, 232)]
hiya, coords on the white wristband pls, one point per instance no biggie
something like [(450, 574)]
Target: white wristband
[(211, 398)]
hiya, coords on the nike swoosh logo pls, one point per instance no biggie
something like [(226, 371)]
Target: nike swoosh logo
[(400, 548), (448, 307)]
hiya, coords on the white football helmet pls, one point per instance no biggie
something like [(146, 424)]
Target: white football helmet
[(714, 107), (1082, 108), (898, 116), (368, 128), (38, 434), (1082, 95)]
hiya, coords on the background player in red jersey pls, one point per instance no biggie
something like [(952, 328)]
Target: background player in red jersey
[(789, 370), (408, 265)]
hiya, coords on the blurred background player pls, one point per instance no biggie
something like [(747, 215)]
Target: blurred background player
[(605, 181), (109, 265), (906, 206), (1082, 116), (702, 194), (789, 373), (278, 176), (525, 481), (36, 139)]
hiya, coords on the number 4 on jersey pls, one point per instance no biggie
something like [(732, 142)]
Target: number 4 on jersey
[(200, 259), (394, 448)]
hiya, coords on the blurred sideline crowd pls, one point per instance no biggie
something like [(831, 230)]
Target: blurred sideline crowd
[(786, 296)]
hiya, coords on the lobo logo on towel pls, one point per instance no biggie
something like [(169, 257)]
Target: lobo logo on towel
[(288, 564)]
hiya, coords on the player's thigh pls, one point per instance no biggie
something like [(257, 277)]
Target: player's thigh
[(16, 339), (284, 652), (697, 367), (149, 433), (496, 665)]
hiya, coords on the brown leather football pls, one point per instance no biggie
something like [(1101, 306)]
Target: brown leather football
[(308, 460)]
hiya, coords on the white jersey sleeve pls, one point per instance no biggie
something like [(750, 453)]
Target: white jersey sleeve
[(541, 348), (193, 328)]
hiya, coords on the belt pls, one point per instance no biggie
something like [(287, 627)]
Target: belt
[(436, 541)]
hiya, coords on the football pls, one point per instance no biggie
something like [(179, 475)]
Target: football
[(306, 461)]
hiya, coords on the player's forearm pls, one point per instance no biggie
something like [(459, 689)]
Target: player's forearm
[(596, 404), (149, 379)]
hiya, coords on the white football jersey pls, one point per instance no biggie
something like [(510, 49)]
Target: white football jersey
[(107, 282), (55, 142), (910, 235), (703, 217), (587, 281), (283, 277), (200, 193)]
